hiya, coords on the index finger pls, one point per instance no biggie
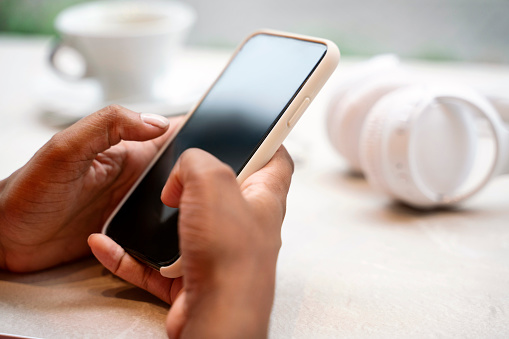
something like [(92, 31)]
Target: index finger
[(271, 182), (276, 174)]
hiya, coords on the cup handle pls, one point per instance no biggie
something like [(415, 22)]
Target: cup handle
[(55, 50)]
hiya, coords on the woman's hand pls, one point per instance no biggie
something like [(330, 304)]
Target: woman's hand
[(229, 241), (49, 207)]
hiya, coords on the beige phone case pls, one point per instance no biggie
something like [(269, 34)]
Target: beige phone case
[(279, 132)]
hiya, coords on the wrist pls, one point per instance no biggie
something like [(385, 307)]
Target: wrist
[(228, 314), (236, 304)]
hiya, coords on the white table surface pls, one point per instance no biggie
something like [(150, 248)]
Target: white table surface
[(352, 265)]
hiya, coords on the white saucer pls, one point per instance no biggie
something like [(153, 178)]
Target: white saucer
[(63, 102)]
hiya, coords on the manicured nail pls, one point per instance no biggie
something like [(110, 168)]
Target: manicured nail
[(154, 120)]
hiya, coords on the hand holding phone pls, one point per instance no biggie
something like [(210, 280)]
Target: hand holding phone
[(230, 239), (242, 120)]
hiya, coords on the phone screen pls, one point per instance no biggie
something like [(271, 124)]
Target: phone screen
[(231, 122)]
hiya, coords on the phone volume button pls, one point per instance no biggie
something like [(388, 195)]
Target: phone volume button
[(298, 113)]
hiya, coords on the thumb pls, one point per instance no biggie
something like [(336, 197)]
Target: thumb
[(107, 127)]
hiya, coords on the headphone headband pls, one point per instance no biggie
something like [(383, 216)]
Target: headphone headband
[(423, 143)]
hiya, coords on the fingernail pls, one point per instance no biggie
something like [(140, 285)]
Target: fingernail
[(154, 120)]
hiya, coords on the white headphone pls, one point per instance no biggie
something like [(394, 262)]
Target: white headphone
[(423, 144)]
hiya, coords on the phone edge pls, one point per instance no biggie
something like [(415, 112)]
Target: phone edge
[(274, 138)]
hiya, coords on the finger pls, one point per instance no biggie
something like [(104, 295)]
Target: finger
[(176, 317), (120, 263), (176, 288), (280, 169), (175, 124), (273, 179), (172, 190), (198, 169), (107, 127)]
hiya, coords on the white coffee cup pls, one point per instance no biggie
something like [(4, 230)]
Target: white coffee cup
[(128, 46)]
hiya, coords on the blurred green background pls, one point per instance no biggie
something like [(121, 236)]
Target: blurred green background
[(31, 17), (469, 30)]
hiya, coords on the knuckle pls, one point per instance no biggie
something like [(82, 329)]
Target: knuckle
[(278, 185), (222, 172), (206, 170), (112, 110), (58, 141), (106, 116), (64, 150), (145, 278), (113, 117), (118, 261), (274, 208), (59, 147), (111, 114)]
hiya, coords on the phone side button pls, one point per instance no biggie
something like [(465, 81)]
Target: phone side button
[(295, 117)]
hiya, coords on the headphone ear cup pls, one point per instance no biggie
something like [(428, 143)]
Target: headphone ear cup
[(371, 150), (348, 112), (416, 149)]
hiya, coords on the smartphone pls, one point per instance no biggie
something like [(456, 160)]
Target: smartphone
[(242, 120)]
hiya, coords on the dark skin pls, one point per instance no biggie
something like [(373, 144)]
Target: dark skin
[(229, 234), (67, 190)]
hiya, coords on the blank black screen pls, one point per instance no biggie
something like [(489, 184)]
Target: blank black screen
[(231, 122)]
